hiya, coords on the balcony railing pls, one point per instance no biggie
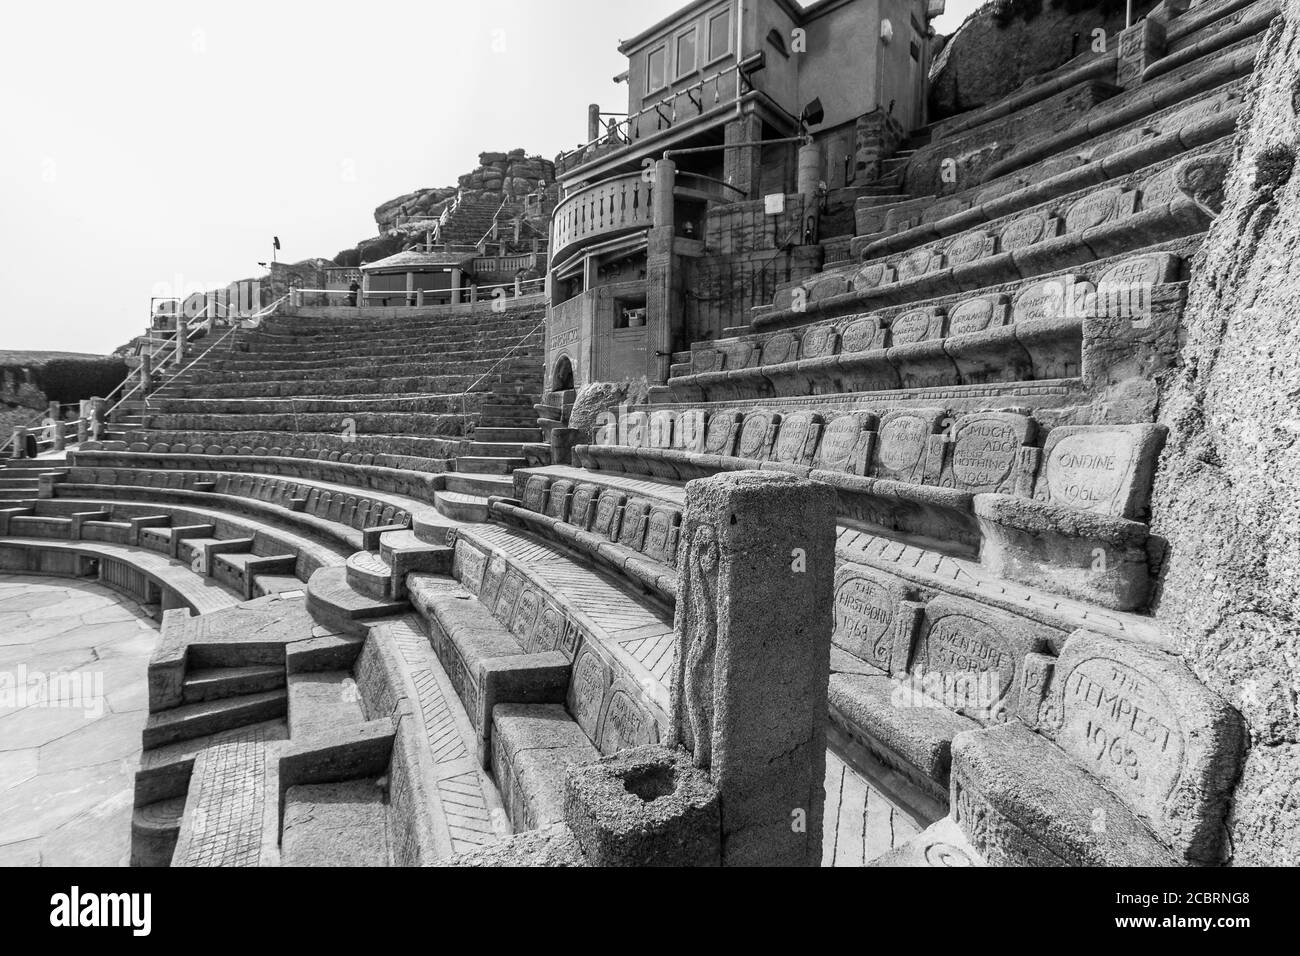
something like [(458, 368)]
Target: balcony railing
[(609, 208)]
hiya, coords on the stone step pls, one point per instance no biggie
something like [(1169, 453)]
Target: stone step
[(488, 465), (220, 683), (322, 702), (479, 485), (497, 449), (155, 828), (495, 434), (370, 574), (334, 603), (336, 824), (461, 506), (232, 806), (284, 585), (209, 717)]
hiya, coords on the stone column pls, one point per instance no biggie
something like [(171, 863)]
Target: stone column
[(742, 165), (83, 415), (661, 276), (98, 407), (60, 435), (182, 335), (1139, 46), (146, 372), (593, 122), (410, 287), (18, 443), (456, 279), (809, 172), (756, 564)]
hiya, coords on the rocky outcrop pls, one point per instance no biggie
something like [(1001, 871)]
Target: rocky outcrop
[(998, 49), (511, 175), (1227, 496)]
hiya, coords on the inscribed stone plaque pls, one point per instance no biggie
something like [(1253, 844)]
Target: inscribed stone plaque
[(470, 564), (624, 722), (524, 618), (1058, 297), (607, 514), (632, 532), (1161, 188), (661, 429), (912, 326), (559, 500), (873, 276), (862, 334), (916, 264), (1139, 720), (535, 493), (720, 437), (660, 525), (797, 438), (975, 315), (967, 656), (818, 341), (586, 698), (826, 287), (548, 631), (581, 507), (705, 360), (755, 435), (492, 578), (1104, 469), (865, 612), (1124, 290), (986, 448), (1094, 209), (902, 443), (845, 443), (782, 347), (690, 429), (737, 354), (968, 247), (511, 587), (1024, 231)]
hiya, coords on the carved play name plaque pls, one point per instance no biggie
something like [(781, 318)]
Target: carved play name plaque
[(1140, 721), (903, 443), (865, 610), (862, 334), (846, 444), (986, 450), (915, 325), (976, 315), (1096, 208), (1064, 296), (1124, 290), (873, 276), (559, 500), (756, 435), (1104, 469), (819, 341), (535, 493), (796, 441), (1024, 231), (969, 247), (780, 348), (720, 436)]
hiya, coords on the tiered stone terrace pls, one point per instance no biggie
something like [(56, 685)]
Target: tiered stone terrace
[(391, 623)]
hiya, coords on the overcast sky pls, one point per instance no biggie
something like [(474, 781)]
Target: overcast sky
[(158, 145)]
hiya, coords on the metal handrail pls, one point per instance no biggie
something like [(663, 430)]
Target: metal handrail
[(479, 244), (464, 407)]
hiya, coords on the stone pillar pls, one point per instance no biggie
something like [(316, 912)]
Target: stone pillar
[(19, 442), (662, 277), (60, 435), (593, 122), (756, 565), (742, 165), (83, 416), (182, 336), (456, 279), (1139, 46), (410, 287), (146, 372), (809, 173)]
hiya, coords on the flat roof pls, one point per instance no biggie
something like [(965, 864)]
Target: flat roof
[(797, 11)]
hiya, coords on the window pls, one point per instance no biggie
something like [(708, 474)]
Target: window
[(656, 69), (719, 35), (686, 53)]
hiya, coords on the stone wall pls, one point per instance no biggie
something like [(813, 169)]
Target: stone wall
[(1227, 497)]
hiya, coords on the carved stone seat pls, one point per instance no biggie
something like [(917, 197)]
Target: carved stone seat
[(533, 747)]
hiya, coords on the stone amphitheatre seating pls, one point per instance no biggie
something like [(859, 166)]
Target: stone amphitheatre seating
[(411, 622)]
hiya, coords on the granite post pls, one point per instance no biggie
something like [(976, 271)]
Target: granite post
[(756, 565)]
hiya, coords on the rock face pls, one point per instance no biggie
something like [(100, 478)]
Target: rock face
[(986, 60), (1227, 495), (509, 175)]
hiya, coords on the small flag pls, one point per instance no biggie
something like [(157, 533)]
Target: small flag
[(277, 241)]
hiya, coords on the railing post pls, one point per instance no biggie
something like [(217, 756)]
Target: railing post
[(60, 435), (20, 441), (96, 417), (182, 335), (146, 372), (83, 415), (519, 287)]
